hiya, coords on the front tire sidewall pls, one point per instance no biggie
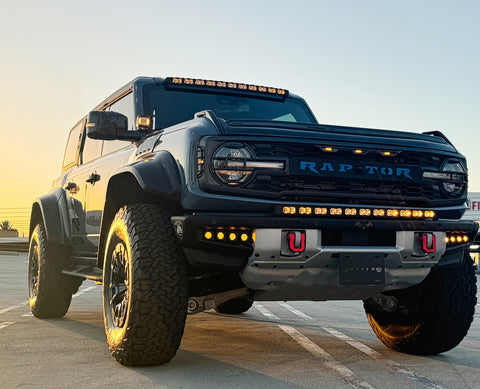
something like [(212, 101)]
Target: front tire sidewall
[(118, 234)]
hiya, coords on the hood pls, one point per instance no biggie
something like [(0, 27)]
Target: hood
[(433, 142)]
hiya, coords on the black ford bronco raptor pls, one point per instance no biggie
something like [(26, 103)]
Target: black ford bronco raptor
[(181, 195)]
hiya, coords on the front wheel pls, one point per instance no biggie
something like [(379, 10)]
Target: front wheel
[(434, 316), (145, 287)]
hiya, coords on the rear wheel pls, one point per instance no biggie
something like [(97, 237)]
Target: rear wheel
[(145, 287), (434, 316), (49, 291), (234, 306)]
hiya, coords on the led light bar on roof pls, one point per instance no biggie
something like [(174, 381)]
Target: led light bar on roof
[(224, 86)]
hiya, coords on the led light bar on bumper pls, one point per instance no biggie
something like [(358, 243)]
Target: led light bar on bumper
[(419, 214)]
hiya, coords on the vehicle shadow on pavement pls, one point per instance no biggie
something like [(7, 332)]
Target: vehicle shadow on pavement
[(459, 356), (90, 326), (189, 367)]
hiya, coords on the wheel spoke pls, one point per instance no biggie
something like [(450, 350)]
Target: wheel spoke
[(118, 285)]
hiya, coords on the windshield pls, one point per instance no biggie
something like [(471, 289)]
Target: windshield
[(169, 107)]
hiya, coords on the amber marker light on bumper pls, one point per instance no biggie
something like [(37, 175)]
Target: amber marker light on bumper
[(229, 235), (456, 238)]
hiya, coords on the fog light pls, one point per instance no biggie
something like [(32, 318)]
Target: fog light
[(220, 235), (232, 236), (208, 235), (244, 237)]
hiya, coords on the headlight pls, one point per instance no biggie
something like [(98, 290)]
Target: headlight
[(457, 177), (230, 163)]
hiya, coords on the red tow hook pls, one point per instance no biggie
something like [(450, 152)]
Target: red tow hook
[(296, 241), (429, 243)]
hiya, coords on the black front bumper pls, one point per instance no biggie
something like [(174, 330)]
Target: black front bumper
[(202, 253)]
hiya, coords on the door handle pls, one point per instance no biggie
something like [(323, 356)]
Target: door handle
[(93, 178), (70, 186)]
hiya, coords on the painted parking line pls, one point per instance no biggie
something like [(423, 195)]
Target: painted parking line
[(265, 312), (5, 310), (295, 311), (328, 361), (83, 291), (419, 380), (6, 324)]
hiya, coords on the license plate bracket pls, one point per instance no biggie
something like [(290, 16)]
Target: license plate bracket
[(362, 269)]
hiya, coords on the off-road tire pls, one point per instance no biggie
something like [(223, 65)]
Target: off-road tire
[(49, 291), (445, 312), (151, 312), (234, 306)]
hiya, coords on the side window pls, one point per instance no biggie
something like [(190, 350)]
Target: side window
[(92, 149), (125, 107), (70, 155)]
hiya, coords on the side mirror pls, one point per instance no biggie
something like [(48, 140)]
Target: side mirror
[(108, 125)]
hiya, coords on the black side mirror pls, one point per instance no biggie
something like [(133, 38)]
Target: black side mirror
[(108, 125)]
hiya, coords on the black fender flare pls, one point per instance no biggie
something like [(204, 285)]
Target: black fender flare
[(52, 210), (158, 176), (146, 180)]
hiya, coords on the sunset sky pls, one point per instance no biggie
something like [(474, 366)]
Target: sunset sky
[(410, 65)]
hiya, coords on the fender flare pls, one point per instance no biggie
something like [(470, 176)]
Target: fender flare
[(158, 176), (143, 181), (52, 210)]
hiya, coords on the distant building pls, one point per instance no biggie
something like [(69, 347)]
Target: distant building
[(473, 211)]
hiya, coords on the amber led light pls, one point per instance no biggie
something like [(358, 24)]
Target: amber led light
[(143, 122), (305, 211)]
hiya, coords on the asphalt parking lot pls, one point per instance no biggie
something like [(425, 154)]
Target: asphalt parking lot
[(273, 345)]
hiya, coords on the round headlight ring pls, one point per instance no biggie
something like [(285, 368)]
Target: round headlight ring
[(229, 164), (454, 187)]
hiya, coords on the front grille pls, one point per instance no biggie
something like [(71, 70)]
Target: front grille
[(291, 187), (283, 150)]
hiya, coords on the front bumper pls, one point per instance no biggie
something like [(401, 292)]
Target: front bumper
[(343, 258)]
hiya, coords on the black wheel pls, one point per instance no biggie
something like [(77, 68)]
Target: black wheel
[(49, 291), (145, 287), (234, 306), (433, 317)]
